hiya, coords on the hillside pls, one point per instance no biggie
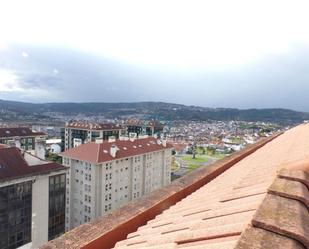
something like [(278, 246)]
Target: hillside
[(153, 110)]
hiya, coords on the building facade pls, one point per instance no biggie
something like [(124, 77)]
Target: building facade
[(25, 139), (140, 127), (32, 199), (76, 133), (105, 175)]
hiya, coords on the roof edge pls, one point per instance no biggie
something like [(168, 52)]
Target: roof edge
[(105, 231)]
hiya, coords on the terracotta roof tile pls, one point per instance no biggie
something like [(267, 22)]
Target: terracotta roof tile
[(284, 216), (256, 238), (93, 126), (13, 165), (230, 202), (19, 132), (100, 152), (247, 205)]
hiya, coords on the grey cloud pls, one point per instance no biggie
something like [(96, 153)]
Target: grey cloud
[(274, 81)]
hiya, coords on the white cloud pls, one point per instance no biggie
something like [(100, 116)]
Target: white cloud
[(191, 33), (24, 54), (8, 81)]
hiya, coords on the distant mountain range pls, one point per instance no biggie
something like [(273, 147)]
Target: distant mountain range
[(148, 110)]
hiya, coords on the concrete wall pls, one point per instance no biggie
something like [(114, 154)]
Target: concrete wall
[(40, 197), (112, 184)]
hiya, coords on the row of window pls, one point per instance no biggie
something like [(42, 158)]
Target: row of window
[(29, 147), (88, 198), (87, 218), (87, 188), (108, 207), (87, 209), (108, 187), (88, 177), (108, 197)]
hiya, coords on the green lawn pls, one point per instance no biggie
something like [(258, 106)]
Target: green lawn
[(174, 165), (193, 166), (219, 155), (198, 159)]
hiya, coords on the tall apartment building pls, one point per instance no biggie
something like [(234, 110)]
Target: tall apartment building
[(79, 132), (141, 127), (104, 175), (32, 199)]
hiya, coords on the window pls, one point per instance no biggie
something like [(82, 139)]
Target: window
[(16, 210), (56, 224)]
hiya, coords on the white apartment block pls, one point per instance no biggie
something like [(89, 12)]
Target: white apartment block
[(76, 133), (104, 175)]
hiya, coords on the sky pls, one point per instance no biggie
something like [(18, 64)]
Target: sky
[(241, 54)]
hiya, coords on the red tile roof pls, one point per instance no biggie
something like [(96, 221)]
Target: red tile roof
[(19, 132), (13, 165), (100, 152), (261, 202), (93, 126), (3, 146)]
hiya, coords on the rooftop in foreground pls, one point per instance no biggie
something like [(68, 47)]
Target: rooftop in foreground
[(257, 198)]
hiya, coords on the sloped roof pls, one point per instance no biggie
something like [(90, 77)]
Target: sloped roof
[(257, 198), (87, 125), (18, 132), (100, 152), (244, 199), (13, 165)]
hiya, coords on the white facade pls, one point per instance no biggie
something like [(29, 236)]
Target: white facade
[(96, 189)]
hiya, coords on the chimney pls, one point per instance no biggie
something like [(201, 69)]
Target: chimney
[(113, 150), (132, 136), (40, 145), (99, 140), (164, 142)]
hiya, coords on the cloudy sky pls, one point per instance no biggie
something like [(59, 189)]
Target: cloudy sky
[(241, 53)]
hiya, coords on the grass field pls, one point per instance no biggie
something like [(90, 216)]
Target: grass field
[(174, 164), (198, 158), (193, 166)]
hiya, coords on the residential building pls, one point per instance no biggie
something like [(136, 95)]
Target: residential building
[(25, 139), (32, 199), (79, 132), (141, 127), (256, 198), (104, 175)]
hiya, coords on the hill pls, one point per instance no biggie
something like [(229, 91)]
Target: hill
[(149, 110)]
